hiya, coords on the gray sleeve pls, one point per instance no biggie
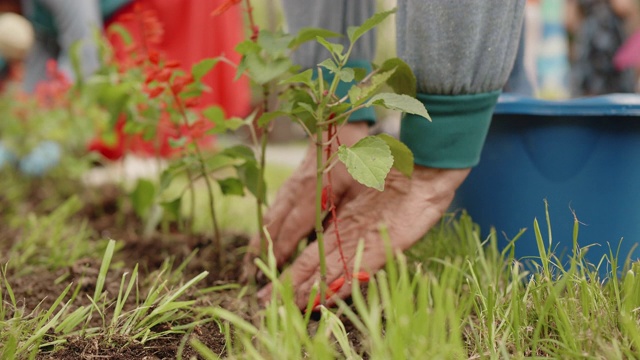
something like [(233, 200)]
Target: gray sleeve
[(459, 46), (334, 15)]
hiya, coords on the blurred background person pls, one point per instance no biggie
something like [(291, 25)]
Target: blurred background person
[(16, 39), (58, 25), (189, 34), (597, 29)]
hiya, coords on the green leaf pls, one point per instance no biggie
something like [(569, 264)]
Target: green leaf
[(267, 117), (240, 152), (346, 74), (403, 81), (201, 68), (262, 72), (303, 108), (309, 33), (143, 196), (122, 32), (305, 77), (368, 161), (220, 161), (402, 155), (173, 207), (242, 67), (231, 186), (274, 43), (215, 114), (167, 176), (76, 66), (359, 74), (334, 49), (402, 103), (177, 143), (361, 92), (247, 47), (329, 65), (249, 175), (354, 33), (113, 97), (232, 124)]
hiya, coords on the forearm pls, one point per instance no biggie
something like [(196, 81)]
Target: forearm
[(462, 53)]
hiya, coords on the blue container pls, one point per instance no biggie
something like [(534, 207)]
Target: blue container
[(581, 155)]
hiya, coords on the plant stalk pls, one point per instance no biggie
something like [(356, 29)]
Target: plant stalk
[(318, 226), (217, 239), (261, 192)]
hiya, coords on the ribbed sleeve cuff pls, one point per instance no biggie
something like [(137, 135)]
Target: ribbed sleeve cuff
[(455, 137)]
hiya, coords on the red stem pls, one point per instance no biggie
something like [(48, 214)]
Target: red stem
[(252, 23), (332, 132)]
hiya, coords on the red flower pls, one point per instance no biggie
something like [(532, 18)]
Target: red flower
[(110, 152), (172, 64), (164, 75), (155, 92), (180, 82)]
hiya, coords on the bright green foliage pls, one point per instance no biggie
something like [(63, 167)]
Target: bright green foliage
[(53, 241), (368, 161), (359, 93), (457, 296), (267, 117), (403, 81), (309, 34), (143, 196), (231, 186), (336, 50), (402, 103), (402, 155), (202, 68), (355, 32)]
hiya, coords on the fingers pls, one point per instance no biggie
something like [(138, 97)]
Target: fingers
[(408, 207), (292, 215)]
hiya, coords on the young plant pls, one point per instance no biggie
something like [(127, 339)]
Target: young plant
[(161, 118), (312, 102)]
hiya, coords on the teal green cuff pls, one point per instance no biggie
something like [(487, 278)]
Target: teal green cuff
[(365, 114), (454, 139)]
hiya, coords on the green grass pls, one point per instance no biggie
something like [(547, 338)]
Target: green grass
[(53, 241), (132, 314), (453, 297)]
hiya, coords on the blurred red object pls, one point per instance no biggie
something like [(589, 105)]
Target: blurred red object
[(190, 34), (628, 56)]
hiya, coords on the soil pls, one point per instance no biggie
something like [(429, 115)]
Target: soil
[(104, 211)]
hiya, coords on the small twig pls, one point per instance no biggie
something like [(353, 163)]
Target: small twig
[(366, 78), (333, 163), (304, 127)]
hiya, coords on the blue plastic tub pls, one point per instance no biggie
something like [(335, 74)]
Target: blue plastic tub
[(581, 155)]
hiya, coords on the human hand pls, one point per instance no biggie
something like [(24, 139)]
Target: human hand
[(407, 207), (292, 216)]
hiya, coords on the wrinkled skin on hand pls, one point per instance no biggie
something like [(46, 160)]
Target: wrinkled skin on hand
[(408, 207)]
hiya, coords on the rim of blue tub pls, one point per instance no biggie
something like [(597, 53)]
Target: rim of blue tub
[(604, 105)]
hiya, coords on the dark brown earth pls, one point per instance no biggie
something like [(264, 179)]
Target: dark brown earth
[(39, 288), (109, 217)]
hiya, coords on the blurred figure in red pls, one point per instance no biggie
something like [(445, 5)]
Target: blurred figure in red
[(188, 33)]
